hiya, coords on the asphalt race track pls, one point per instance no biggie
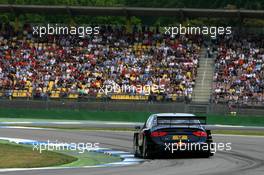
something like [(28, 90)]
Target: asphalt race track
[(109, 124), (246, 156)]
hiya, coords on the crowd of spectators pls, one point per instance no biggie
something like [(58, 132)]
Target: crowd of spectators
[(78, 65), (239, 70)]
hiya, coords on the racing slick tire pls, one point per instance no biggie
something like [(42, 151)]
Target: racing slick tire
[(136, 147), (146, 151)]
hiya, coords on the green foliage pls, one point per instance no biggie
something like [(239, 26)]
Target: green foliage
[(64, 2), (254, 22), (214, 4), (246, 4)]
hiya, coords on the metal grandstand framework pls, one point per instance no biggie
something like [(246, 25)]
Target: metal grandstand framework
[(132, 11)]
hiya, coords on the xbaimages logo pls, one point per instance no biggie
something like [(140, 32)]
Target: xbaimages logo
[(212, 31), (57, 29), (195, 146), (132, 89), (61, 146)]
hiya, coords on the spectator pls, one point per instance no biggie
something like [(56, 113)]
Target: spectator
[(239, 70), (84, 65)]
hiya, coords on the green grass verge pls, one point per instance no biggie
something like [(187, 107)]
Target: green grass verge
[(22, 156), (67, 114), (18, 156), (239, 132), (235, 120)]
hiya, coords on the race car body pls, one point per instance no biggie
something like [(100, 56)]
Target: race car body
[(172, 133)]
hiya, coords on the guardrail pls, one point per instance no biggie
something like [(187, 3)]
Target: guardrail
[(140, 106), (59, 95)]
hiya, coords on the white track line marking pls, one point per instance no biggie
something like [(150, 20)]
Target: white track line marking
[(233, 135), (25, 127)]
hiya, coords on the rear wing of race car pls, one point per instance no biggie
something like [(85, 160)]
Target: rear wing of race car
[(185, 120)]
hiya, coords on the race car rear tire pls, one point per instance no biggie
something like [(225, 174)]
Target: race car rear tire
[(146, 152), (206, 154), (136, 147)]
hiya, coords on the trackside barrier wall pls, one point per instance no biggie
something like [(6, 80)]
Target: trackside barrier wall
[(133, 106)]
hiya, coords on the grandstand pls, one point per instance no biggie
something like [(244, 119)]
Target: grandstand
[(239, 70), (66, 66), (70, 67)]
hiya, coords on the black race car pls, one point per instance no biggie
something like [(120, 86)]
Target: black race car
[(172, 133)]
